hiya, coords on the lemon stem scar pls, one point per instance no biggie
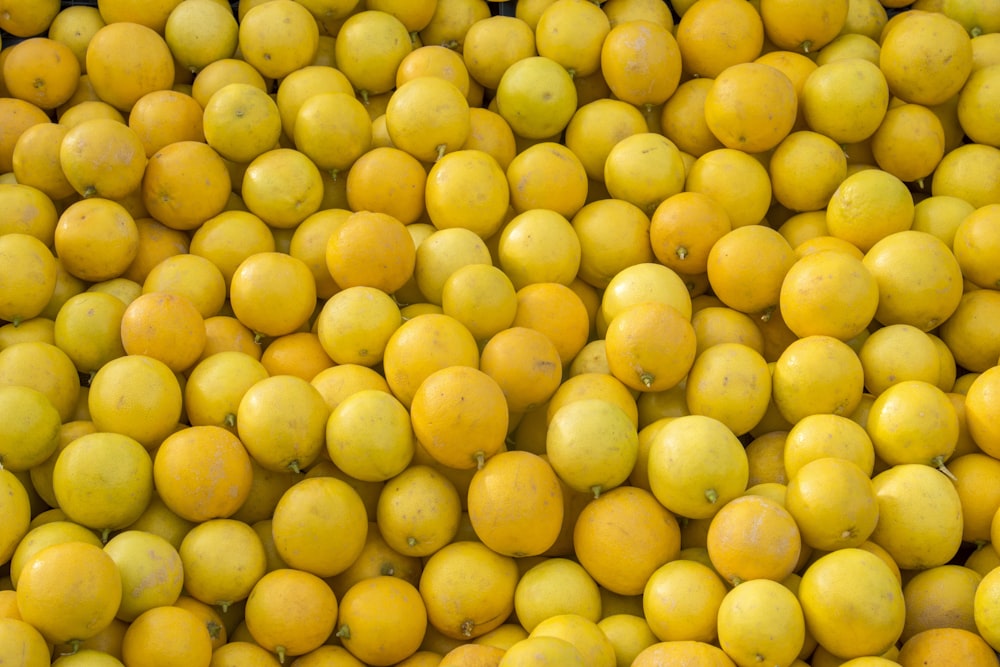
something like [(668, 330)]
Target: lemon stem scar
[(596, 490), (344, 632), (938, 462), (387, 570), (806, 46), (89, 191), (213, 629), (466, 627), (711, 495), (411, 541)]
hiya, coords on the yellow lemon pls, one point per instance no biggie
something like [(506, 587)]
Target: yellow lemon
[(696, 465), (852, 603), (592, 445)]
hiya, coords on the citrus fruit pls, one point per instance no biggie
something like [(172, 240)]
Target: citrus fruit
[(290, 612), (592, 445), (751, 107), (365, 621), (852, 588), (535, 597), (413, 533), (214, 578), (681, 601), (288, 405), (753, 524), (278, 39), (202, 472), (641, 62), (69, 592), (696, 465), (649, 537), (761, 620), (536, 96), (916, 536), (151, 572), (468, 589), (833, 503)]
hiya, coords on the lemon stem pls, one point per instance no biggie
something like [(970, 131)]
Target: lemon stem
[(441, 150), (344, 631), (711, 495), (938, 462), (294, 467), (596, 490), (280, 650), (480, 460), (647, 378)]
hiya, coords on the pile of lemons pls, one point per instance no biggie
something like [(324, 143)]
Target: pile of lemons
[(441, 333)]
